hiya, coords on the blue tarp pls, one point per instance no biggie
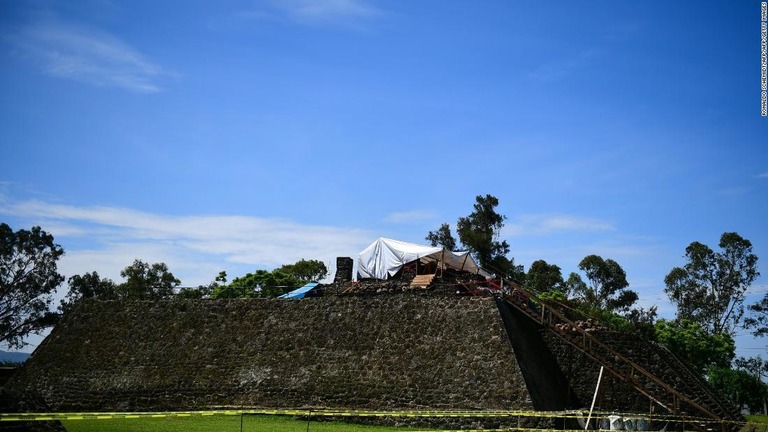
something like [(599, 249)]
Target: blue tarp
[(298, 293)]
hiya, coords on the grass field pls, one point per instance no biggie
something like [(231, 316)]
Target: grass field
[(219, 423), (262, 423), (757, 423)]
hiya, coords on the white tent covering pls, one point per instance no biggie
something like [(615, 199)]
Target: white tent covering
[(384, 257)]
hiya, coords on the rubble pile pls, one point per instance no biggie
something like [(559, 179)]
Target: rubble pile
[(398, 283), (589, 325), (462, 283)]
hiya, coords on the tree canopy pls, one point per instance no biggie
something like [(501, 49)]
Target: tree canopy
[(149, 282), (263, 283), (479, 233), (756, 366), (89, 285), (28, 277), (145, 281), (543, 277), (203, 291), (710, 287), (690, 341), (142, 282), (757, 320), (306, 270), (740, 387), (607, 285), (442, 237)]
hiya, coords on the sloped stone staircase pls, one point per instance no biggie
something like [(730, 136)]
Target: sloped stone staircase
[(650, 369)]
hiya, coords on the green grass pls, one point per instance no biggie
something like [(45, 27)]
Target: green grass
[(219, 423), (263, 423), (757, 423)]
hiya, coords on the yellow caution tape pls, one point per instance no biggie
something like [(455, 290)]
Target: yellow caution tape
[(7, 417)]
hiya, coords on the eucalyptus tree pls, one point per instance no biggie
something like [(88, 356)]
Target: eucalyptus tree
[(28, 278), (606, 287), (711, 286)]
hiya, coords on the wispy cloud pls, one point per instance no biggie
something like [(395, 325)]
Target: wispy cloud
[(89, 56), (763, 175), (107, 239), (335, 13), (409, 217), (734, 191), (327, 11), (544, 224)]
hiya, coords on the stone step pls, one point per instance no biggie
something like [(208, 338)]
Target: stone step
[(651, 379)]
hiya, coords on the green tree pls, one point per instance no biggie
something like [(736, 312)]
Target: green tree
[(479, 232), (758, 368), (28, 277), (262, 283), (757, 320), (690, 341), (203, 291), (754, 365), (607, 287), (740, 387), (710, 287), (148, 282), (543, 277), (89, 285), (277, 283), (442, 237), (306, 270), (574, 285)]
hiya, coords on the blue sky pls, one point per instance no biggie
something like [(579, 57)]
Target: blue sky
[(239, 135)]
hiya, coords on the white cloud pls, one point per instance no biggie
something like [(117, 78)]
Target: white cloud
[(763, 175), (543, 224), (88, 56), (327, 10), (735, 191), (409, 217), (343, 13), (196, 248)]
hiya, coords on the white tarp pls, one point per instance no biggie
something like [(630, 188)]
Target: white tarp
[(384, 257)]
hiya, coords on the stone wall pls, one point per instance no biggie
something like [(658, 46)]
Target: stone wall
[(5, 374), (394, 351), (385, 352)]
